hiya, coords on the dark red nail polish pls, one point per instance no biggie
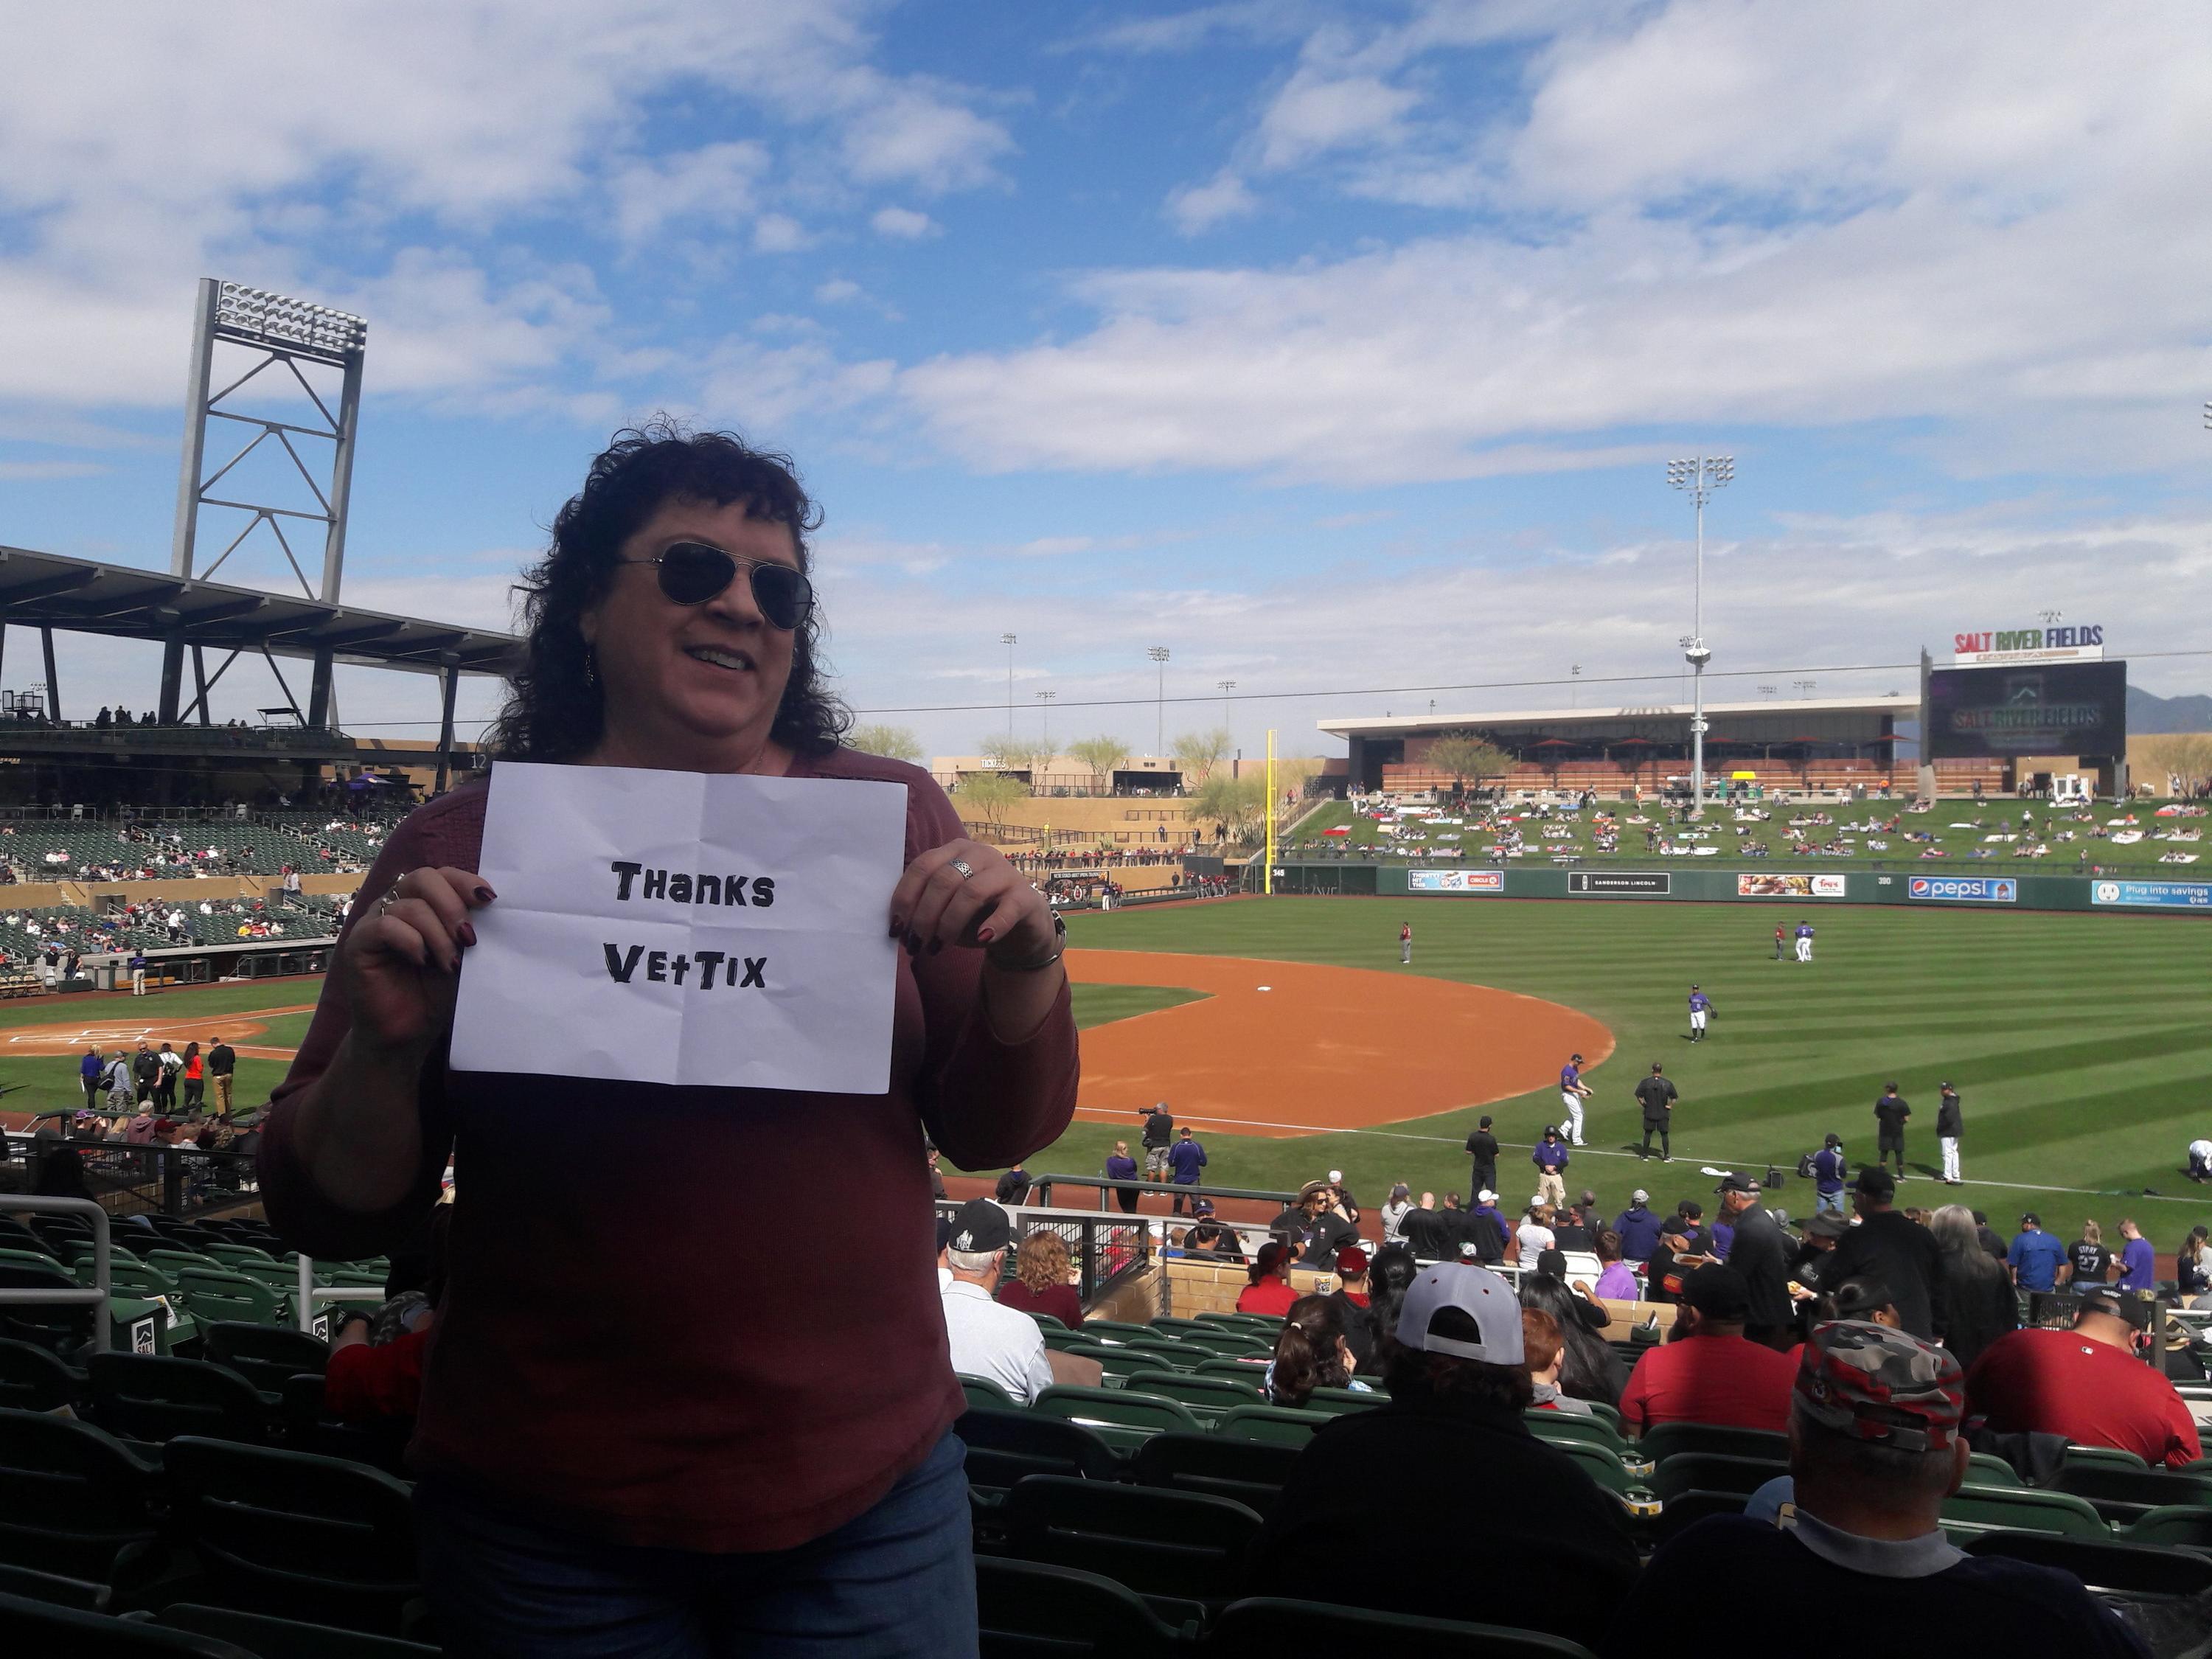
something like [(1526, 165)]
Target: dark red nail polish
[(983, 936), (468, 934), (913, 944), (485, 895)]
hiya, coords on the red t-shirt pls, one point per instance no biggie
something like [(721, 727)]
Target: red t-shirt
[(641, 1415), (1724, 1380), (1270, 1297), (1060, 1301), (2057, 1383), (362, 1382)]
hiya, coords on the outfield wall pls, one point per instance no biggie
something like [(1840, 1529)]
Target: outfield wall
[(1778, 889)]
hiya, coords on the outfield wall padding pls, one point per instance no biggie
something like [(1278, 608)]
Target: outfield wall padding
[(1651, 882)]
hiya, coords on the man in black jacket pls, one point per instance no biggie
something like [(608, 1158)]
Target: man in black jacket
[(1555, 1552), (1428, 1230), (1889, 1114), (1892, 1250), (1950, 1124), (1760, 1253), (1656, 1095), (1482, 1147)]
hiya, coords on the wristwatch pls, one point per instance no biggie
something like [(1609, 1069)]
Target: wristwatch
[(1037, 964)]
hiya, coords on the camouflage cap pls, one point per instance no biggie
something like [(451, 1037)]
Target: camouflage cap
[(1881, 1385)]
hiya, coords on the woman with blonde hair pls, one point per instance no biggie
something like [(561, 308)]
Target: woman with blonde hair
[(2089, 1257), (1040, 1282)]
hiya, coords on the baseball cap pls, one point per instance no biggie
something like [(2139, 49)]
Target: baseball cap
[(2027, 1216), (1469, 1250), (943, 1230), (1201, 1206), (1876, 1384), (1639, 1196), (1554, 1262), (1351, 1259), (1875, 1182), (1738, 1183), (1485, 1196), (1335, 1176), (1551, 1128), (1718, 1292), (1476, 1292), (1537, 1199), (1690, 1210), (979, 1226)]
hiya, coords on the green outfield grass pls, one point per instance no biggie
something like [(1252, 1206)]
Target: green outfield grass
[(2135, 858), (2079, 1043), (38, 1083), (1101, 1005)]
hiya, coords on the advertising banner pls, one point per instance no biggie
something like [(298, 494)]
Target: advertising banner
[(1782, 884), (2160, 895), (1976, 890), (2060, 708), (2016, 644), (1620, 884), (1455, 881)]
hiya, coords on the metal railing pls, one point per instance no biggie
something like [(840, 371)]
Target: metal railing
[(94, 1295), (1042, 1186), (127, 1180), (1105, 1250)]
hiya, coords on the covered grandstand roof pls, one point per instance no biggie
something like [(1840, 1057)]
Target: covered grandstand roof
[(1795, 715), (85, 596)]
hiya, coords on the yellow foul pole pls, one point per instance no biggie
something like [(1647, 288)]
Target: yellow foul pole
[(1267, 874)]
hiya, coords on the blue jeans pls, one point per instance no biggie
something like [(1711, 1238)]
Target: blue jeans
[(899, 1580), (1827, 1203)]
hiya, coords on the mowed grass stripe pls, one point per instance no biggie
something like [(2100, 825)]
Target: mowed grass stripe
[(2079, 1041)]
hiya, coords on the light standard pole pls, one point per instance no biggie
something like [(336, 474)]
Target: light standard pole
[(1007, 639), (1159, 653), (1574, 685), (1700, 476), (1046, 697), (1227, 686)]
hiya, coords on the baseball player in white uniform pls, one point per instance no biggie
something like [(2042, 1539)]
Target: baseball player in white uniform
[(1804, 941)]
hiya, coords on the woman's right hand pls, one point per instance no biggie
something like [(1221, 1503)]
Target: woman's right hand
[(401, 962)]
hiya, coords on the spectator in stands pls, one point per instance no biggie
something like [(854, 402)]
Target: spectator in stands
[(1591, 1370), (1185, 1159), (2089, 1261), (61, 1175), (2192, 1267), (1875, 1448), (222, 1064), (193, 1071), (1041, 1284), (986, 1338), (1637, 1227), (2138, 1262), (2089, 1384), (1352, 1298), (1269, 1292), (1554, 1552), (1571, 1228), (1616, 1282), (1388, 1275), (1212, 1237), (1535, 1235), (1707, 1371), (1311, 1353), (1013, 1187), (1544, 1347), (1894, 1250), (1979, 1304), (1394, 1211), (1320, 1232), (1426, 1231), (1758, 1251), (1120, 1167), (165, 1083), (821, 1419), (2036, 1256)]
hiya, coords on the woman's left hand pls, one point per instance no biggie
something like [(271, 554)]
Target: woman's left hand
[(966, 894)]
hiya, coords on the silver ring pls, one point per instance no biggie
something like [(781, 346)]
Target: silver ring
[(965, 868), (390, 898)]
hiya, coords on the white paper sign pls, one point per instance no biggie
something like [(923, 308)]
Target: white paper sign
[(686, 928)]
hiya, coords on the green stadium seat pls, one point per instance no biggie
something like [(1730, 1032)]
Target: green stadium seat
[(1206, 1397), (2184, 1525), (1004, 1447), (231, 1254), (38, 1629), (52, 1588), (1123, 1418), (1338, 1401), (1564, 1425), (1602, 1467), (1177, 1354), (146, 1397), (2118, 1568), (1665, 1440), (1268, 1627), (1120, 1362), (1249, 1471), (982, 1391), (1226, 1344), (1274, 1426), (63, 1327), (74, 1501), (296, 1535), (1987, 1469), (33, 1380), (264, 1355), (1113, 1330), (1982, 1509), (1047, 1322), (212, 1296), (1060, 1341), (172, 1261), (1028, 1608), (2106, 1457), (1684, 1509), (1157, 1542), (1168, 1325), (283, 1638), (1689, 1472), (1250, 1369)]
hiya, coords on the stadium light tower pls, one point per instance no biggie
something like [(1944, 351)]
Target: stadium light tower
[(1700, 476), (1226, 687), (1159, 653), (1008, 640), (1046, 697)]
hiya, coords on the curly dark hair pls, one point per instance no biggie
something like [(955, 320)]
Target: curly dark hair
[(553, 710)]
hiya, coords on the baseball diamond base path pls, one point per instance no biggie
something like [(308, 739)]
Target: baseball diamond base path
[(1282, 1049), (115, 1028)]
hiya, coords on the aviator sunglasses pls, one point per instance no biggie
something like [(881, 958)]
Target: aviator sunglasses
[(692, 573)]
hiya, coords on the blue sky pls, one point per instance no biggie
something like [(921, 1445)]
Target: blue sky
[(1332, 347)]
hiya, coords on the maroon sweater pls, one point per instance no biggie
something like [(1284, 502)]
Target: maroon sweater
[(695, 1318)]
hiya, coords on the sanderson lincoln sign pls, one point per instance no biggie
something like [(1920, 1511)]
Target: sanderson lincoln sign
[(2029, 644)]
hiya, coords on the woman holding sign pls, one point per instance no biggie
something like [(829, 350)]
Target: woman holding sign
[(700, 1453)]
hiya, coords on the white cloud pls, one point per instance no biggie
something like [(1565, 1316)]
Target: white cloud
[(904, 224), (779, 233), (837, 291), (34, 471), (1198, 208), (1316, 112), (717, 181), (910, 134)]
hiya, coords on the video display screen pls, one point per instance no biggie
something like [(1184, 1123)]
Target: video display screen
[(2049, 708)]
